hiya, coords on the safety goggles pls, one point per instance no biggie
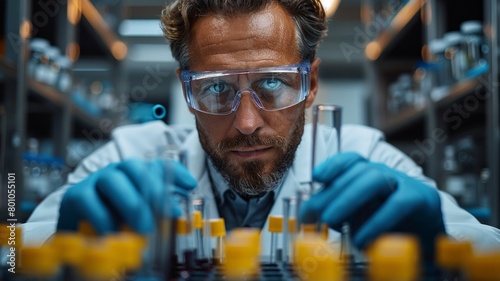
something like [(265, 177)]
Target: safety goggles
[(271, 88)]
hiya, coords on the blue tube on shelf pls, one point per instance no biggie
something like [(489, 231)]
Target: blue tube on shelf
[(158, 111)]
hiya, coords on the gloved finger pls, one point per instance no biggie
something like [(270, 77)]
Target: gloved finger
[(169, 187), (335, 166), (84, 204), (318, 202), (156, 178), (374, 185), (158, 171), (125, 199), (181, 176), (397, 208)]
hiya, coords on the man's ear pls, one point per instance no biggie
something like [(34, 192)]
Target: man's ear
[(178, 73), (313, 88)]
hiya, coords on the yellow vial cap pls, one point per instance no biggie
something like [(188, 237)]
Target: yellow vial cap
[(127, 248), (312, 248), (394, 258), (4, 234), (10, 234), (217, 227), (452, 254), (40, 261), (239, 263), (99, 262), (484, 267), (69, 246), (308, 228), (275, 224), (183, 226), (197, 220)]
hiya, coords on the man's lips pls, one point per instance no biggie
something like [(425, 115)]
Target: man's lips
[(254, 151)]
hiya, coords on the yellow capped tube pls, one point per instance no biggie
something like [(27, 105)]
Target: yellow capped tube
[(61, 242), (315, 259), (275, 227), (99, 263), (242, 254), (184, 230), (484, 267), (452, 256), (39, 262), (394, 258), (127, 249), (198, 233), (218, 231), (4, 240), (70, 247)]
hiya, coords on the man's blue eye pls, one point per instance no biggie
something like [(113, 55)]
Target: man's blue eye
[(218, 87), (271, 84)]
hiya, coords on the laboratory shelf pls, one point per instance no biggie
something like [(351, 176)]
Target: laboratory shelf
[(59, 99), (394, 124), (109, 38), (458, 91), (53, 96), (398, 28), (8, 68), (401, 121)]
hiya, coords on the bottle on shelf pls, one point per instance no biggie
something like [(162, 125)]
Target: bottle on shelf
[(474, 48), (38, 47), (454, 53), (63, 81)]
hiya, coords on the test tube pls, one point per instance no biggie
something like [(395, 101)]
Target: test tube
[(157, 259), (346, 249), (242, 254), (201, 229), (290, 226), (275, 227), (70, 259), (99, 263), (346, 246), (218, 231), (336, 122), (187, 253), (39, 262)]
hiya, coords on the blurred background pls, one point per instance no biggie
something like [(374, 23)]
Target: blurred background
[(424, 72)]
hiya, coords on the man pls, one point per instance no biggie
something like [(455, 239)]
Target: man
[(249, 71)]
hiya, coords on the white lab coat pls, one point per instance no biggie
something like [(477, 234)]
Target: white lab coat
[(137, 141)]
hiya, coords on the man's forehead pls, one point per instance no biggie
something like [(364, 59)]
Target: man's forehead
[(260, 35)]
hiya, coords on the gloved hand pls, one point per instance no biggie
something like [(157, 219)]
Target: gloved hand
[(125, 193), (374, 199)]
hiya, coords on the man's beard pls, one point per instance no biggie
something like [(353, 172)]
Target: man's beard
[(249, 180)]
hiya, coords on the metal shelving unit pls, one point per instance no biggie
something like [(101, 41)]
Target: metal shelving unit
[(21, 90), (390, 53)]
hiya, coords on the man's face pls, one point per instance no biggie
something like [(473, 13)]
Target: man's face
[(252, 148)]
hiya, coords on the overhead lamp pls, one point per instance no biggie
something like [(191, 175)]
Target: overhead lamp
[(330, 6)]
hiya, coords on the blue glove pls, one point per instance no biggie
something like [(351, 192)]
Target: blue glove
[(374, 199), (125, 193)]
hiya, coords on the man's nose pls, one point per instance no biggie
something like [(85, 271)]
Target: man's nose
[(248, 115)]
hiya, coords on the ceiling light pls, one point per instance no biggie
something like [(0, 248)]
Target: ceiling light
[(330, 6)]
